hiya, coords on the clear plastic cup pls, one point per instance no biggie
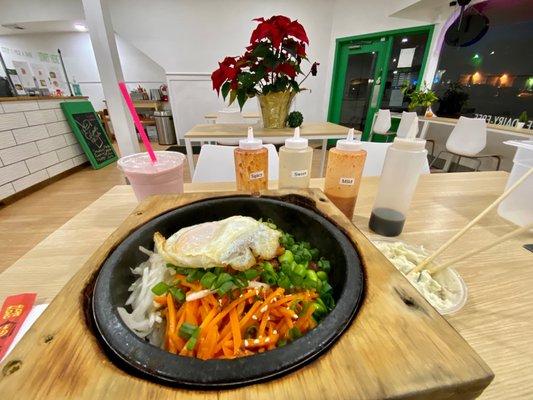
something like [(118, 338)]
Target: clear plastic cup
[(146, 179)]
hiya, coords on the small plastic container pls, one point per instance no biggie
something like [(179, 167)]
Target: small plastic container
[(518, 206), (448, 278)]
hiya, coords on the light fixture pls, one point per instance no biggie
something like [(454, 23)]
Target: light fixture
[(393, 60), (80, 27), (394, 72), (476, 56), (492, 52), (404, 40)]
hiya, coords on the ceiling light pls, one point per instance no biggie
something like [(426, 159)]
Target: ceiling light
[(80, 27), (492, 52), (393, 60), (404, 40), (394, 72)]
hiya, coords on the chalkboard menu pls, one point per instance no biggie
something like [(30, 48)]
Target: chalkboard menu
[(89, 131)]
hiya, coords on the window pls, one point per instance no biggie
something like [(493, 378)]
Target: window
[(492, 77)]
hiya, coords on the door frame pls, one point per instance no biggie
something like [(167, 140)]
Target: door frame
[(382, 51), (336, 89)]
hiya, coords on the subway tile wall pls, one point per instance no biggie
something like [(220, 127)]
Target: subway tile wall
[(36, 143)]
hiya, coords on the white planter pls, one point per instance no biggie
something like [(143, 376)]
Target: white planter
[(520, 125)]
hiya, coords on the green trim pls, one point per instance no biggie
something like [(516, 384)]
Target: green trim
[(91, 137), (340, 65)]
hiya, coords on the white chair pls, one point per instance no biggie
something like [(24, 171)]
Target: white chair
[(375, 157), (216, 164), (408, 127), (467, 140), (381, 124), (229, 116)]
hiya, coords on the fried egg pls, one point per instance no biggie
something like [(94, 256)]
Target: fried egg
[(238, 242)]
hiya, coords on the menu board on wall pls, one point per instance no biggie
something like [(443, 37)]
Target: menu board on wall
[(39, 72), (90, 133), (24, 73)]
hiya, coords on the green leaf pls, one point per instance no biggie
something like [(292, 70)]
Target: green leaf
[(232, 96), (225, 89), (241, 98)]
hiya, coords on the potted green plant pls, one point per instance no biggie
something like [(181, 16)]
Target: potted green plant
[(522, 119), (453, 100), (268, 69), (419, 99)]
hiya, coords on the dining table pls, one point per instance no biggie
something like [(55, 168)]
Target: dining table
[(497, 319), (310, 130)]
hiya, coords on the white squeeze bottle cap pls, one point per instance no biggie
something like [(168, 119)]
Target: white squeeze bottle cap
[(296, 142), (349, 144), (250, 143)]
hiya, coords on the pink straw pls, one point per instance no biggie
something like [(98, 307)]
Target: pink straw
[(137, 121)]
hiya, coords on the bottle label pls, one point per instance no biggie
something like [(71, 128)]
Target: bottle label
[(257, 175), (299, 174), (347, 181)]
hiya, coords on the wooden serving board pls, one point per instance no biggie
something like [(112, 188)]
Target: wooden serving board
[(397, 347)]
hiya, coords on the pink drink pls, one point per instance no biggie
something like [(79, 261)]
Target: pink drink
[(166, 176)]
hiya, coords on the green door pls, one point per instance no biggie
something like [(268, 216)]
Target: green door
[(357, 87)]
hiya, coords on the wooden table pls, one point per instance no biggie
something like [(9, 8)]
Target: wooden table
[(497, 320), (212, 117), (311, 130)]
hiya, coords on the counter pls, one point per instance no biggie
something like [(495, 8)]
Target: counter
[(36, 142)]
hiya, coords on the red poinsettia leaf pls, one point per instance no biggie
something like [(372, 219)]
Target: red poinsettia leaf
[(286, 69), (297, 30), (218, 77), (261, 32), (300, 49), (280, 21)]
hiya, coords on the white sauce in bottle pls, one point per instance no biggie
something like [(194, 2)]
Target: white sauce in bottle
[(295, 160)]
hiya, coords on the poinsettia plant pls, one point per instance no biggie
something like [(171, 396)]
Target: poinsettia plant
[(271, 62)]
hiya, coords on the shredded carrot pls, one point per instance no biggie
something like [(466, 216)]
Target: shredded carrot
[(232, 327)]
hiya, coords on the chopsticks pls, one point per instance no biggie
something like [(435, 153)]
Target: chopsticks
[(425, 262), (497, 241)]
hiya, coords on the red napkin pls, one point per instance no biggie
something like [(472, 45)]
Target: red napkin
[(14, 312)]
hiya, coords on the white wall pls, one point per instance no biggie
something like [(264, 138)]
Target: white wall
[(80, 62), (190, 36)]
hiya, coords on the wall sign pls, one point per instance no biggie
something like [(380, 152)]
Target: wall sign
[(89, 131), (507, 121)]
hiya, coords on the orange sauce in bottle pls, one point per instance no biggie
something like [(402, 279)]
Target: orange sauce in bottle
[(343, 174), (251, 164)]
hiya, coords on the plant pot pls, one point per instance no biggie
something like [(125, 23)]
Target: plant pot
[(420, 111), (520, 125), (275, 108)]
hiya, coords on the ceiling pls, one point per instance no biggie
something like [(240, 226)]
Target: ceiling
[(41, 27)]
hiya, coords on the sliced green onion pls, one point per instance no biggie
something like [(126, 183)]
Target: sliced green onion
[(299, 270), (195, 276), (287, 257), (177, 293), (324, 265), (160, 289), (208, 279), (323, 276), (225, 287), (187, 330), (250, 274), (295, 333), (282, 342), (268, 267)]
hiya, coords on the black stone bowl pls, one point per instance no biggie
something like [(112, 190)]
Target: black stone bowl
[(140, 358)]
